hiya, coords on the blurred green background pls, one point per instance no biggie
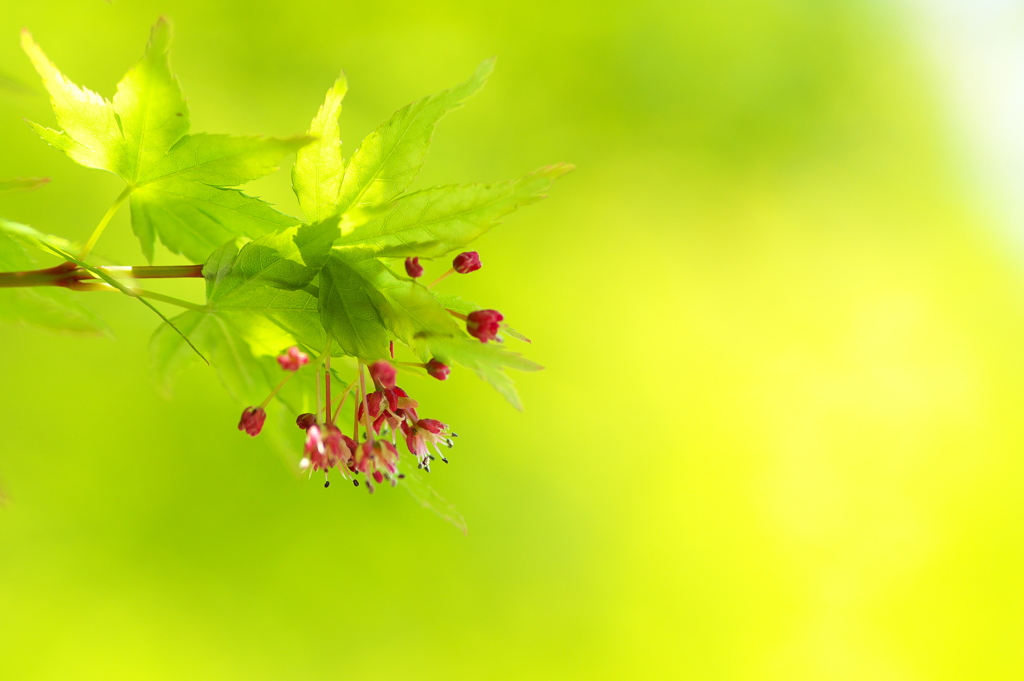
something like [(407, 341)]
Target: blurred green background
[(779, 435)]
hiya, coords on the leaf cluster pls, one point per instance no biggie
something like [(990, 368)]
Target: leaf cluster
[(326, 279)]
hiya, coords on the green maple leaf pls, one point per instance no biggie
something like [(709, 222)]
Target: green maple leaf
[(436, 221), (181, 186), (363, 304)]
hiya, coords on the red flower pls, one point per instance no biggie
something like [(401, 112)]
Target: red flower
[(339, 448), (422, 433), (252, 420), (316, 455), (377, 459), (467, 262), (293, 359), (383, 374), (304, 421), (484, 324), (413, 267), (438, 370)]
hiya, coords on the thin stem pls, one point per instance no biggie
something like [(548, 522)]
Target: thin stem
[(366, 407), (328, 415), (96, 233), (344, 396), (278, 387), (444, 276)]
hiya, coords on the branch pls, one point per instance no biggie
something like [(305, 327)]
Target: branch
[(73, 277)]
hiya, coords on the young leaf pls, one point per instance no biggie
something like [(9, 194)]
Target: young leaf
[(180, 184), (349, 310), (364, 305), (390, 157), (244, 286), (22, 184), (435, 221), (288, 259), (316, 176)]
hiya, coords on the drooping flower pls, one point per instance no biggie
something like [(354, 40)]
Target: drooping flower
[(383, 374), (413, 267), (293, 360), (438, 370), (304, 421), (315, 454), (425, 432), (377, 459), (484, 324), (467, 262), (252, 420)]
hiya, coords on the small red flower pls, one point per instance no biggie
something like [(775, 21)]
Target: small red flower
[(339, 447), (293, 360), (252, 420), (467, 262), (438, 370), (422, 433), (316, 455), (383, 374), (377, 459), (304, 421), (484, 324), (413, 267)]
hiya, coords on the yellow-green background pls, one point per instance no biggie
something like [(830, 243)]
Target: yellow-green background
[(779, 436)]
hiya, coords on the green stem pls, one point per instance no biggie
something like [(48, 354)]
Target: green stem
[(96, 233)]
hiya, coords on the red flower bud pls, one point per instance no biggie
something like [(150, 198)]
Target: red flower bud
[(293, 359), (438, 370), (304, 421), (252, 420), (413, 267), (467, 262), (483, 324), (383, 374)]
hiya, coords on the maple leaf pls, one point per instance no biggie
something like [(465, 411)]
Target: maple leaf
[(181, 186)]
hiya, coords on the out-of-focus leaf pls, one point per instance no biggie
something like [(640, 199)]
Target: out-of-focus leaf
[(20, 184), (427, 497), (488, 360), (242, 374)]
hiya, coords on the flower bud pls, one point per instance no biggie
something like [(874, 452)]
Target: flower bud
[(438, 370), (252, 420), (383, 374), (484, 324), (467, 262), (293, 359), (304, 421), (413, 267)]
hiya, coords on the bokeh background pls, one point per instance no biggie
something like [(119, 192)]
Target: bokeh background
[(781, 306)]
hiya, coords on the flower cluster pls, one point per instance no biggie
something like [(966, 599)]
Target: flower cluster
[(382, 416)]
